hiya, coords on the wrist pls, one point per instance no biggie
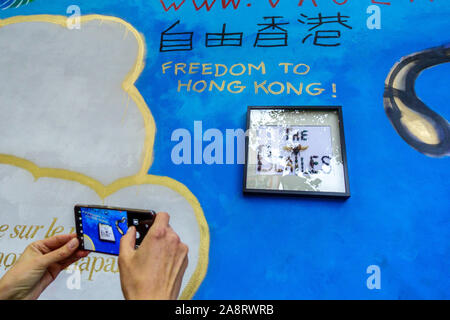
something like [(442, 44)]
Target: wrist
[(145, 296), (5, 290)]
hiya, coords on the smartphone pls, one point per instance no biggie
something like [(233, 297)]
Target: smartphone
[(100, 228)]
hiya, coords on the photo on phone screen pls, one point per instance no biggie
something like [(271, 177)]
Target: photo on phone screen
[(100, 228)]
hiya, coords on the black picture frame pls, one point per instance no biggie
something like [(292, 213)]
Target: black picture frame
[(297, 193)]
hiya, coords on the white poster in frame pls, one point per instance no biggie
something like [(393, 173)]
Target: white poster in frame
[(296, 151)]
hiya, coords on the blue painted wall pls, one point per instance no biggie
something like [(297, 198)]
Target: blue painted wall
[(398, 214)]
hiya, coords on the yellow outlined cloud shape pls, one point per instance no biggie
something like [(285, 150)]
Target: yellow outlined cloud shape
[(141, 177)]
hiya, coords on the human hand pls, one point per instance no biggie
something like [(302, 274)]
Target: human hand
[(155, 270), (39, 265)]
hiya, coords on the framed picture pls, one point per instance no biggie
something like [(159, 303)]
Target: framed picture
[(297, 151)]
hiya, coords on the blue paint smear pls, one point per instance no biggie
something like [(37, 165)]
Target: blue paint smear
[(276, 248)]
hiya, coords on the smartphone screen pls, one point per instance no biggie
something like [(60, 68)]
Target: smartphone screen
[(100, 228)]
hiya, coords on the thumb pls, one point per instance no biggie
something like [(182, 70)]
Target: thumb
[(128, 241), (61, 253)]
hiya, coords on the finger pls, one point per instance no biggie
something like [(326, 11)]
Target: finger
[(62, 253), (162, 219), (159, 227), (55, 242), (128, 241), (68, 263), (80, 254)]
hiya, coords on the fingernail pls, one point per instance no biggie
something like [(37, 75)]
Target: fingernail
[(129, 229), (73, 243)]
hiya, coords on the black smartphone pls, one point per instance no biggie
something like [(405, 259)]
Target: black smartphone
[(99, 228)]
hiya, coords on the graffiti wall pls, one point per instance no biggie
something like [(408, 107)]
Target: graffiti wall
[(143, 104)]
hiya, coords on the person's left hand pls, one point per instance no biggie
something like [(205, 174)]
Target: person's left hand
[(39, 265)]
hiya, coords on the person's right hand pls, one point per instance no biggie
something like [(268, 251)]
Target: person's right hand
[(155, 270)]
